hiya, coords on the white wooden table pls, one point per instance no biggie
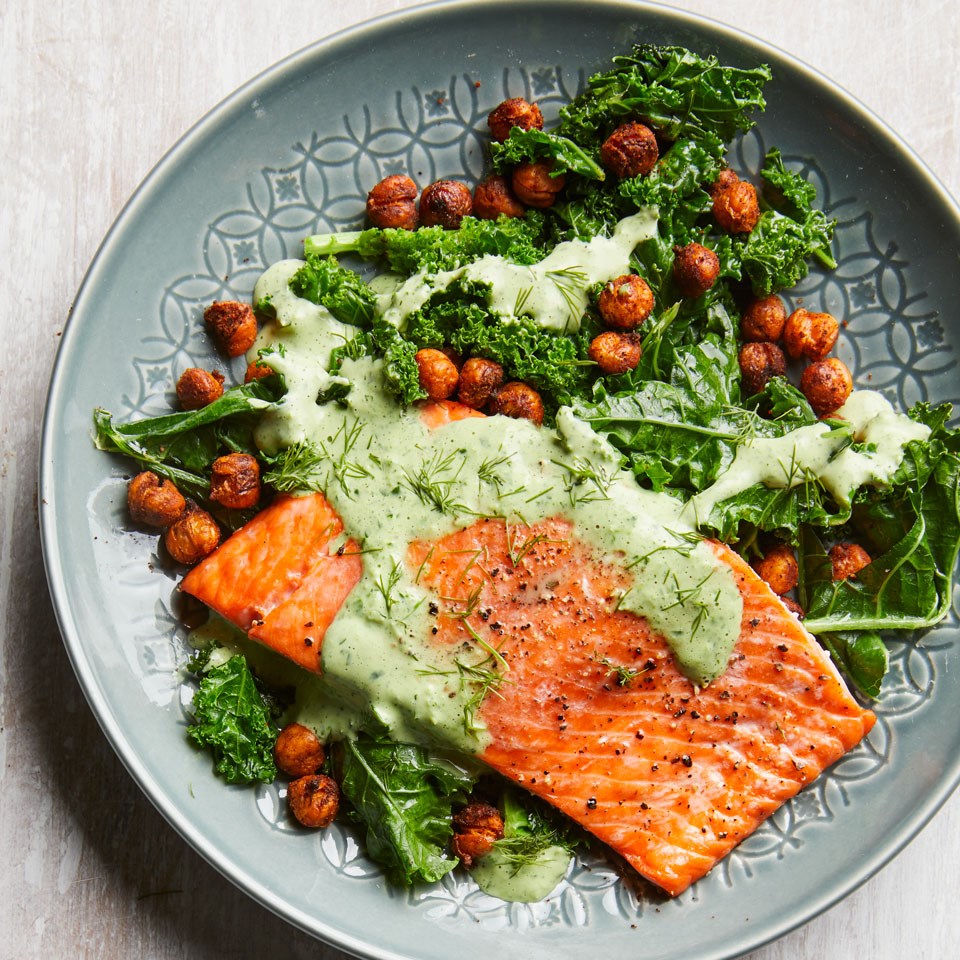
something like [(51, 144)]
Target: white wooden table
[(92, 92)]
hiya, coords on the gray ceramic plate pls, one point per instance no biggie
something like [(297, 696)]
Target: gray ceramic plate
[(298, 147)]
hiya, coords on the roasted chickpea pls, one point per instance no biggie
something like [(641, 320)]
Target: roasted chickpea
[(438, 373), (196, 388), (810, 335), (759, 363), (793, 607), (626, 302), (314, 800), (515, 112), (153, 501), (763, 319), (479, 381), (257, 370), (778, 568), (695, 269), (444, 204), (630, 151), (848, 560), (298, 751), (534, 184), (827, 385), (193, 536), (392, 203), (615, 352), (736, 208), (492, 198), (232, 324), (725, 178), (518, 400), (475, 830), (235, 481)]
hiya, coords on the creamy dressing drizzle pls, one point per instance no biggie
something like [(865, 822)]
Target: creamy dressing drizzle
[(554, 292)]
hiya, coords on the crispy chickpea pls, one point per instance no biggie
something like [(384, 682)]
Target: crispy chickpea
[(736, 208), (438, 373), (392, 203), (256, 370), (695, 269), (848, 560), (778, 568), (534, 184), (630, 151), (827, 385), (298, 751), (759, 363), (810, 335), (793, 607), (232, 324), (725, 178), (763, 319), (193, 536), (444, 204), (515, 112), (314, 800), (626, 302), (196, 388), (475, 830), (518, 400), (235, 481), (492, 198), (614, 352), (479, 381), (155, 502)]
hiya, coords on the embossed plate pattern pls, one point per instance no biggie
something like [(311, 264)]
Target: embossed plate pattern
[(295, 150)]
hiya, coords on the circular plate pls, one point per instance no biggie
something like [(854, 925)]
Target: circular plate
[(296, 150)]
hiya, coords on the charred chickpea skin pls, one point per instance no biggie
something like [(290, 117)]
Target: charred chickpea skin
[(534, 184), (760, 363), (194, 536), (444, 204), (154, 502), (725, 178), (810, 335), (630, 151), (256, 370), (695, 269), (233, 325), (736, 207), (518, 400), (392, 203), (298, 751), (314, 800), (196, 388), (235, 481), (778, 568), (479, 381), (493, 198), (793, 607), (614, 352), (827, 385), (763, 319), (848, 560), (624, 303), (515, 112), (437, 372), (475, 830)]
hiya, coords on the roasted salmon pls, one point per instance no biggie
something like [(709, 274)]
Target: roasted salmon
[(592, 714)]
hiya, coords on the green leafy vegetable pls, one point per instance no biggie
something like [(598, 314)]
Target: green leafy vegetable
[(529, 145), (233, 721), (404, 798), (531, 831), (322, 280)]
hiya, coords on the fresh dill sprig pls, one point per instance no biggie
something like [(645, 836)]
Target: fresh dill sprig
[(386, 587), (580, 474), (433, 482), (298, 467), (625, 675)]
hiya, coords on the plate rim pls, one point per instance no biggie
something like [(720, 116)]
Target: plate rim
[(47, 482)]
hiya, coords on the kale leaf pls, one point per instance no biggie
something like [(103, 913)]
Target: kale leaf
[(231, 719), (322, 280), (529, 145), (404, 799)]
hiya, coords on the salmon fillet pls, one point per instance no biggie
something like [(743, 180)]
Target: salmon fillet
[(592, 714)]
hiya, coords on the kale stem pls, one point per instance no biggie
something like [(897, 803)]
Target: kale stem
[(325, 244)]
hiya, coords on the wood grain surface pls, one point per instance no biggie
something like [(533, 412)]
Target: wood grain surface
[(93, 93)]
